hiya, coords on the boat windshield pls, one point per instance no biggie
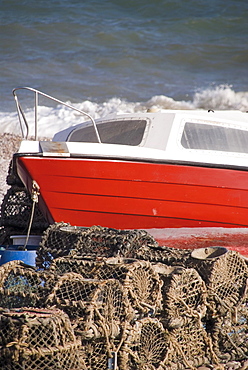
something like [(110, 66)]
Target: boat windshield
[(214, 137), (124, 132)]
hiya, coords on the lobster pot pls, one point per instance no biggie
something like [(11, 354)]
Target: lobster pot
[(105, 327), (140, 281), (86, 267), (72, 293), (230, 334), (57, 241), (94, 355), (99, 355), (163, 254), (107, 242), (20, 285), (146, 346), (37, 339), (189, 347), (225, 274), (138, 278), (98, 308), (108, 314), (16, 210), (184, 296)]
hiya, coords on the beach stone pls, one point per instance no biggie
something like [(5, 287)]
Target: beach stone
[(9, 144), (4, 166)]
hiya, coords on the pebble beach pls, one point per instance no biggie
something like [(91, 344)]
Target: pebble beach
[(9, 144)]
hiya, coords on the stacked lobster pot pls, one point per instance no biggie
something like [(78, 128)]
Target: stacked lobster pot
[(120, 301), (21, 285), (38, 339), (225, 274), (105, 302)]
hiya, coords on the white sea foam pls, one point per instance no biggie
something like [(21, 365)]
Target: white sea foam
[(53, 119), (222, 97)]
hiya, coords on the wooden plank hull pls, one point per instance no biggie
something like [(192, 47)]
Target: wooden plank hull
[(136, 195)]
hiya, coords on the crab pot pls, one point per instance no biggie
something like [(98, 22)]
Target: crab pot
[(140, 281), (21, 286), (225, 274), (204, 260), (37, 339), (147, 343), (184, 296)]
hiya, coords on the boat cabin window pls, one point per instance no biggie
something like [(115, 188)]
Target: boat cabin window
[(214, 137), (124, 132)]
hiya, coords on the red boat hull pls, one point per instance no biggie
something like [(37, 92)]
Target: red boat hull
[(135, 195)]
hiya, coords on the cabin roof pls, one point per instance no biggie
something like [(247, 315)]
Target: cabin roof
[(190, 136)]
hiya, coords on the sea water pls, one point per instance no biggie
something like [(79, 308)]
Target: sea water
[(107, 56)]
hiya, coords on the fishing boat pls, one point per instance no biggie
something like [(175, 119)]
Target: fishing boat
[(145, 170)]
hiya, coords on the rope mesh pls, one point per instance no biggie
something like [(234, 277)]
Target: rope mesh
[(185, 297), (37, 339), (124, 302), (146, 347), (16, 209), (20, 286), (226, 280)]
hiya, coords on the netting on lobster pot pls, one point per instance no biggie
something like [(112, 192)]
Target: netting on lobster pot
[(189, 347), (72, 293), (57, 241), (100, 241), (230, 333), (146, 346), (108, 314), (20, 285), (61, 240), (142, 284), (225, 274), (139, 279), (87, 267), (37, 339), (184, 296), (162, 254), (97, 355), (16, 211)]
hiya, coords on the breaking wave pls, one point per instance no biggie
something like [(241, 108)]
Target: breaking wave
[(57, 118)]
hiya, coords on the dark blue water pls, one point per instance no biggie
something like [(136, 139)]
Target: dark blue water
[(115, 53)]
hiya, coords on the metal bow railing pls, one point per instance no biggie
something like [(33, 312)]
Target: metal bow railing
[(23, 119)]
